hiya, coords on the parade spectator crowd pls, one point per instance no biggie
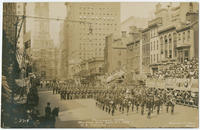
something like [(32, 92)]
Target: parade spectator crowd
[(187, 69), (16, 113)]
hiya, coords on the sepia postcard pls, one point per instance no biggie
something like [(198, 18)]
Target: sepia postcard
[(100, 65)]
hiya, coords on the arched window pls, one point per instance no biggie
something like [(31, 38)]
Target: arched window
[(165, 39), (170, 42), (188, 35), (161, 45), (183, 37)]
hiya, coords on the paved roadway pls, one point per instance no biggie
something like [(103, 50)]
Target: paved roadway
[(84, 113)]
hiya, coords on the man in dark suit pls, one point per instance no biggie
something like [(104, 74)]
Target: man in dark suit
[(48, 111)]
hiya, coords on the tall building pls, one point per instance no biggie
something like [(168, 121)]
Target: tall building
[(13, 30), (42, 47), (87, 38), (63, 50), (9, 20), (8, 45)]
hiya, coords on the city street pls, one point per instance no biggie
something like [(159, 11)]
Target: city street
[(115, 64), (84, 113)]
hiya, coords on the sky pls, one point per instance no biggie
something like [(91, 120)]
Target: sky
[(137, 9)]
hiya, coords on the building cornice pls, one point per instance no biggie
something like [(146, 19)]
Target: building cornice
[(155, 22), (136, 41), (166, 28)]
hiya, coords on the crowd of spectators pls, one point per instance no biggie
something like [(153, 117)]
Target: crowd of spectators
[(181, 97), (187, 69), (16, 113)]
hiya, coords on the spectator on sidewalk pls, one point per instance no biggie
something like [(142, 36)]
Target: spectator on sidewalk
[(47, 111)]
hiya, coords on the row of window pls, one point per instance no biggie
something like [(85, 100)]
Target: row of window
[(184, 35), (168, 41), (92, 44), (154, 45), (92, 39), (154, 58), (145, 50), (133, 47), (98, 24), (90, 56), (99, 29), (94, 13), (93, 34), (96, 49), (169, 38), (91, 8), (96, 18)]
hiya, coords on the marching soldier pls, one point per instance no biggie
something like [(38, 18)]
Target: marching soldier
[(172, 107), (127, 107), (103, 105), (158, 106), (149, 108), (133, 104), (67, 92), (122, 107), (142, 107), (167, 106), (113, 109), (109, 109), (137, 105)]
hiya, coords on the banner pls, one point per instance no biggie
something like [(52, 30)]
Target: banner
[(179, 84)]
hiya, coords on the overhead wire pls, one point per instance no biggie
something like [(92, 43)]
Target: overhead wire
[(47, 18)]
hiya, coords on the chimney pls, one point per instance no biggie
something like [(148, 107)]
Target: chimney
[(123, 33)]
